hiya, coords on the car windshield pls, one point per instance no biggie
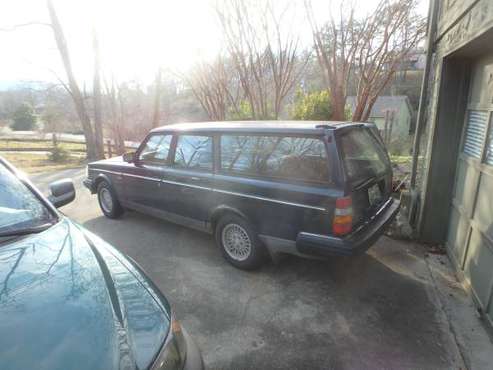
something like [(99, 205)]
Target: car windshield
[(20, 209), (364, 156)]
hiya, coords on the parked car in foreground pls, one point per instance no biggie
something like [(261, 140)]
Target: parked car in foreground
[(262, 188), (68, 300)]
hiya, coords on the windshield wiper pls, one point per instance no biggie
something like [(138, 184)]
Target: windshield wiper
[(27, 230)]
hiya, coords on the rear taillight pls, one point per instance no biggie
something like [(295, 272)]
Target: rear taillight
[(343, 216)]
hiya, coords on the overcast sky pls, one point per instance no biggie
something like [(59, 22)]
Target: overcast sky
[(135, 35)]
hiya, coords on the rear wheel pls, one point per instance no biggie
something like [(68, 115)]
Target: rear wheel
[(239, 243), (108, 201)]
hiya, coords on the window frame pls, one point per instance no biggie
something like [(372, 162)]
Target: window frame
[(487, 143), (174, 146), (165, 163), (289, 180)]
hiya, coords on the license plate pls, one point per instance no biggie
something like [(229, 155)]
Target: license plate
[(374, 194)]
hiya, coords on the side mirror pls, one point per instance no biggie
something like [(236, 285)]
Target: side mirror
[(129, 157), (62, 192)]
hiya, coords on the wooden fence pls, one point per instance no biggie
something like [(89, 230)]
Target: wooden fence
[(47, 145)]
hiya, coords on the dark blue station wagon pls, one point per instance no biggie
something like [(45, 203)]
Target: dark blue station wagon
[(311, 189)]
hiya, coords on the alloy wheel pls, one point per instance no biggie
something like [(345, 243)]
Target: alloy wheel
[(236, 242)]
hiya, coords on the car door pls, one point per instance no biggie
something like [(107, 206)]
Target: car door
[(142, 180), (187, 182)]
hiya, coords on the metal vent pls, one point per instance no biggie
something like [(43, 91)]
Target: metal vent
[(475, 132)]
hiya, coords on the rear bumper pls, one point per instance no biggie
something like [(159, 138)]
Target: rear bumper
[(357, 242)]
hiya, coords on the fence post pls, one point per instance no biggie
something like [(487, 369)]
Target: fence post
[(391, 125), (386, 128), (110, 154)]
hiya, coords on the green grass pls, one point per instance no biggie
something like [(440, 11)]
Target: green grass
[(39, 144), (39, 162), (401, 159)]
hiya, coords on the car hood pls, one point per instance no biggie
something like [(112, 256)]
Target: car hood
[(68, 300), (112, 160)]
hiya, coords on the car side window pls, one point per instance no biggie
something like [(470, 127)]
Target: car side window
[(194, 152), (156, 149), (295, 158)]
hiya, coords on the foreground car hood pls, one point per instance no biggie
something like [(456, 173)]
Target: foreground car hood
[(70, 301)]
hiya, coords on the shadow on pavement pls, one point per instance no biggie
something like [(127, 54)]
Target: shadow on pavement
[(371, 311)]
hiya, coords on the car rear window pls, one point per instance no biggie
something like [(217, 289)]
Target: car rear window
[(363, 155), (288, 157)]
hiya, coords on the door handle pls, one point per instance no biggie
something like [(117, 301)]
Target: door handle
[(195, 178)]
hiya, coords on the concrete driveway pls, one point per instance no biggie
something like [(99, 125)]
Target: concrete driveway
[(376, 311)]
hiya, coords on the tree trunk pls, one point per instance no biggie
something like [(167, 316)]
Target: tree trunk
[(73, 87), (361, 106), (339, 104), (156, 117), (369, 107), (116, 122), (98, 121)]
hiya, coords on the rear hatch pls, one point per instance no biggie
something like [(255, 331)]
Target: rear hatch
[(367, 168)]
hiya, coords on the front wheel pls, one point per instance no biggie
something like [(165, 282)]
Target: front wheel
[(108, 201), (239, 243)]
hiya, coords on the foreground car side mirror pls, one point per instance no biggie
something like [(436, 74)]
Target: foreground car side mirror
[(129, 157), (62, 192)]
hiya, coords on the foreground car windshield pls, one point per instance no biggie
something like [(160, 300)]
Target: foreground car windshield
[(20, 209)]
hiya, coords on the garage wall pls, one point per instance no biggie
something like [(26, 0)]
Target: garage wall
[(443, 150)]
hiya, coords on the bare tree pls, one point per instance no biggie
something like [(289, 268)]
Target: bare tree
[(73, 87), (264, 54), (116, 121), (135, 105), (368, 50), (214, 86), (156, 116), (98, 119), (282, 54)]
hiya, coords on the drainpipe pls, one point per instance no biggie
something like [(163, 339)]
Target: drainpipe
[(432, 21), (432, 18)]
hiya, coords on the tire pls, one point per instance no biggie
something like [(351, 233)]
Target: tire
[(108, 202), (239, 243)]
